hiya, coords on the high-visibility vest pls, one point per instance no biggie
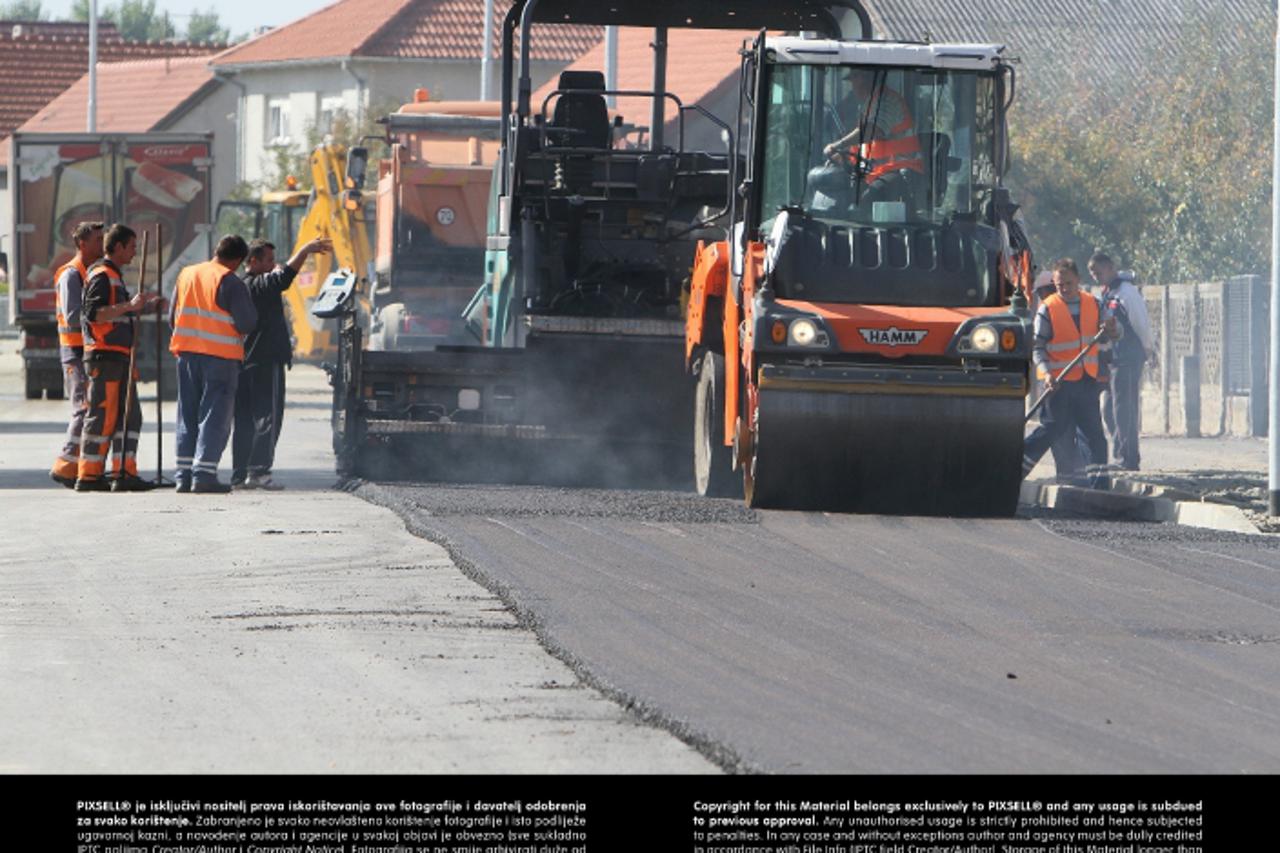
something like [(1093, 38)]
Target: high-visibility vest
[(1068, 340), (113, 335), (199, 324), (68, 335), (898, 149)]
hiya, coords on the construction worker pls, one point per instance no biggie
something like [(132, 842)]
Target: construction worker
[(267, 352), (1065, 324), (883, 142), (114, 418), (1121, 398), (69, 281), (211, 314)]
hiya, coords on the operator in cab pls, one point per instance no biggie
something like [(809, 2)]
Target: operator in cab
[(883, 143)]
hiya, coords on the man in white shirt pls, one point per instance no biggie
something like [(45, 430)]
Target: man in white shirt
[(1121, 399)]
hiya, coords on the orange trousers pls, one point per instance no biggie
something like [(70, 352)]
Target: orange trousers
[(107, 431)]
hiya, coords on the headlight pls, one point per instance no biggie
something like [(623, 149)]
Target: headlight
[(803, 333), (984, 339)]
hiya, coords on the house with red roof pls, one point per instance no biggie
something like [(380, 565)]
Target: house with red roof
[(356, 55)]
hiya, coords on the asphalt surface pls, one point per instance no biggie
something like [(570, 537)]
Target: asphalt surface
[(808, 642)]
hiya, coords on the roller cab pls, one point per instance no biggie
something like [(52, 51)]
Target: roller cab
[(860, 342)]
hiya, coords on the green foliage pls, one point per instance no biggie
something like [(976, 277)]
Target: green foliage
[(22, 10), (137, 20), (205, 26), (347, 130), (1171, 173)]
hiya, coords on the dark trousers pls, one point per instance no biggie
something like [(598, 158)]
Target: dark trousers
[(1120, 406), (259, 418), (206, 396), (108, 429), (1073, 407)]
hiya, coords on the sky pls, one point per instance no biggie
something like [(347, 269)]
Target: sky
[(239, 16)]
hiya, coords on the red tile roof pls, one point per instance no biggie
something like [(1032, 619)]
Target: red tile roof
[(405, 29), (699, 64), (133, 97), (40, 61)]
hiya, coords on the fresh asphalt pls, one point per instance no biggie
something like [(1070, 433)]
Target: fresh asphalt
[(809, 642)]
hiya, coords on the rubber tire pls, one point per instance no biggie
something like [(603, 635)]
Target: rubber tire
[(34, 389), (55, 392), (713, 474)]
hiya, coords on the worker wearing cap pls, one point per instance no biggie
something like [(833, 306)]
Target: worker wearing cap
[(211, 313), (1065, 324), (69, 283), (1121, 398), (267, 352), (114, 418)]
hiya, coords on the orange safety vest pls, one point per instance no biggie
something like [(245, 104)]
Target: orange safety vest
[(68, 335), (199, 324), (1068, 340), (111, 336), (900, 149)]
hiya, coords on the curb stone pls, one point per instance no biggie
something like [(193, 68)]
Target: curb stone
[(1160, 506)]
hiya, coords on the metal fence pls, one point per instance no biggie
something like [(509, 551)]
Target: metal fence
[(1210, 374)]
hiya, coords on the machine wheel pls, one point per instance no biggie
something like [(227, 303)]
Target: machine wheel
[(55, 392), (713, 473), (34, 388)]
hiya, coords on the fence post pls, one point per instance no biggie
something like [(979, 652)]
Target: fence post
[(1259, 315), (1167, 366), (1190, 377)]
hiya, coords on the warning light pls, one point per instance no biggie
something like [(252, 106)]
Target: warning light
[(291, 182), (421, 95), (778, 332), (1008, 340)]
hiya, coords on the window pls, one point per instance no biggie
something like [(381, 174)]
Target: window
[(330, 106), (277, 131)]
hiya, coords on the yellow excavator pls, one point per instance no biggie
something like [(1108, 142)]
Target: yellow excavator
[(334, 208)]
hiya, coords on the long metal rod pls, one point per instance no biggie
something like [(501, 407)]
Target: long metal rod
[(1273, 381), (657, 116), (1049, 392), (92, 120), (159, 357), (130, 385)]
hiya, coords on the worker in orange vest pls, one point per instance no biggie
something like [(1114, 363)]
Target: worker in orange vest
[(1066, 323), (212, 312), (114, 418), (883, 142), (69, 282)]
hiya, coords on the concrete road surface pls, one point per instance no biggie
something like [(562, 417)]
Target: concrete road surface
[(303, 631), (808, 642)]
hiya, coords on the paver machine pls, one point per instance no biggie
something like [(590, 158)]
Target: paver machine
[(860, 340), (576, 368)]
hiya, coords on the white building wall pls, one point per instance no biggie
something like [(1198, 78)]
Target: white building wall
[(215, 112), (364, 82)]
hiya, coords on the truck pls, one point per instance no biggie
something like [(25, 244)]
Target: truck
[(860, 341), (59, 180), (432, 194)]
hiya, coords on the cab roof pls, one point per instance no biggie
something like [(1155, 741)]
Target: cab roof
[(977, 57)]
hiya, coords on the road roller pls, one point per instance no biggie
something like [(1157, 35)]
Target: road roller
[(860, 341)]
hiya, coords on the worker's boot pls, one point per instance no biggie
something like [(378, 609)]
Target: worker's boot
[(210, 487), (131, 483), (97, 484)]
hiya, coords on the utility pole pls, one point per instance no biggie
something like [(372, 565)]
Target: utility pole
[(486, 49), (611, 63), (1273, 381), (93, 66)]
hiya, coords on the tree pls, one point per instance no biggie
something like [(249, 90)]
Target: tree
[(205, 26), (137, 20), (22, 10), (1170, 174)]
